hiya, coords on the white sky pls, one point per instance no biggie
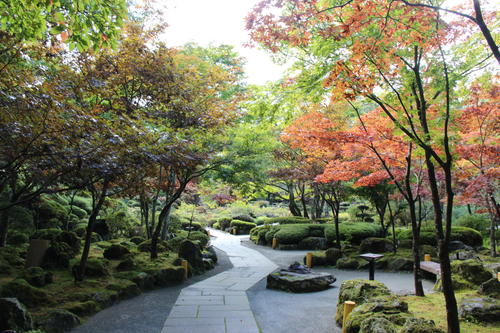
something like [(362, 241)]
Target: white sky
[(219, 22)]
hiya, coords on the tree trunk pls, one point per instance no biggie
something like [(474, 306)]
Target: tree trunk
[(294, 209), (158, 228), (415, 232), (442, 240), (80, 272), (303, 201), (494, 214), (165, 224), (4, 225), (486, 32)]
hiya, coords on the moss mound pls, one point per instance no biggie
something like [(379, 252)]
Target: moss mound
[(24, 292)]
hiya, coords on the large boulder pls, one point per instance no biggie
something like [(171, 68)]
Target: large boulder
[(419, 325), (399, 264), (456, 245), (168, 276), (144, 280), (388, 307), (472, 271), (82, 308), (191, 252), (347, 263), (24, 292), (37, 276), (115, 252), (490, 288), (299, 282), (358, 291), (95, 267), (313, 243), (376, 245), (13, 316), (210, 254), (332, 255), (377, 325), (128, 264), (124, 288), (59, 321), (482, 309)]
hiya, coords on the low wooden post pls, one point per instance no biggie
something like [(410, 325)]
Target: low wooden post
[(348, 306), (235, 231), (208, 232), (275, 243), (185, 265), (498, 276), (427, 257), (309, 259)]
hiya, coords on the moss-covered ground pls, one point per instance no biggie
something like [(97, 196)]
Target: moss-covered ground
[(432, 307)]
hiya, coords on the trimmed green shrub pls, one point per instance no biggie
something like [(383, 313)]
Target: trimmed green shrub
[(292, 233), (245, 218), (354, 233), (224, 223), (242, 226), (216, 225), (288, 220), (270, 233), (480, 223), (466, 235), (199, 236), (51, 209), (48, 234), (77, 211)]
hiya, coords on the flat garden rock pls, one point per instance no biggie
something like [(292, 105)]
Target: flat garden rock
[(482, 309), (298, 282)]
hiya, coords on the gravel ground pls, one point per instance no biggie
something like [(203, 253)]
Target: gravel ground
[(282, 312), (147, 312)]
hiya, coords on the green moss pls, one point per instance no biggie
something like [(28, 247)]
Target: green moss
[(125, 288), (287, 220), (242, 227), (471, 270), (24, 292), (199, 236), (82, 308), (292, 233)]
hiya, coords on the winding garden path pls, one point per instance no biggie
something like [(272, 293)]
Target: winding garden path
[(220, 304)]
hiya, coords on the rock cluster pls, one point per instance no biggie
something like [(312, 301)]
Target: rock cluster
[(299, 279)]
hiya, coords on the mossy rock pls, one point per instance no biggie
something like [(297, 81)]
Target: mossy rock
[(471, 271), (143, 280), (58, 255), (358, 291), (419, 325), (490, 288), (146, 246), (24, 292), (168, 276), (398, 263), (82, 308), (104, 297), (458, 284), (14, 316), (377, 325), (97, 267), (59, 321), (37, 276), (125, 288), (332, 255), (128, 264), (115, 252), (199, 236), (137, 240), (480, 309), (347, 263), (376, 245)]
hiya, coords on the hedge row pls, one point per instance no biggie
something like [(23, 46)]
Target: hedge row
[(294, 233), (466, 235), (284, 220), (242, 227)]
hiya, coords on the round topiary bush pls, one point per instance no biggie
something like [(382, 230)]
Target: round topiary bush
[(466, 235), (354, 233), (292, 233), (199, 236)]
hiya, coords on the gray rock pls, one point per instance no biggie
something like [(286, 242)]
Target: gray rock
[(208, 263), (490, 288), (347, 263), (399, 264), (458, 245), (419, 325), (213, 254), (116, 251), (59, 321), (299, 283), (13, 315), (472, 271), (482, 309), (191, 252), (144, 280)]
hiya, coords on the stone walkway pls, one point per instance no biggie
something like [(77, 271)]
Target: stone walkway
[(220, 304)]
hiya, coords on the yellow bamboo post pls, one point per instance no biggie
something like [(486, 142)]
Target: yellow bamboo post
[(234, 231), (208, 232), (185, 265), (275, 243), (348, 306), (427, 257), (498, 276), (309, 259)]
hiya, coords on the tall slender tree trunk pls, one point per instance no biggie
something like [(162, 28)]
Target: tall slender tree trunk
[(4, 225), (294, 209), (98, 202), (442, 235), (494, 215)]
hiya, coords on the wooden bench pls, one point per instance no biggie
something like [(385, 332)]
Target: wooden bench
[(431, 267)]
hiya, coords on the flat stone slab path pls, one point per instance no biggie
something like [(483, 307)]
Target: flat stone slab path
[(220, 304)]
